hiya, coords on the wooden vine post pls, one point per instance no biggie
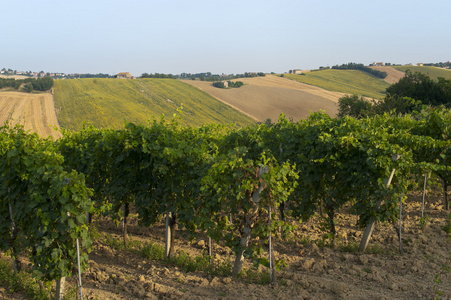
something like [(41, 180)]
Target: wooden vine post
[(424, 194), (168, 239), (369, 228), (400, 223)]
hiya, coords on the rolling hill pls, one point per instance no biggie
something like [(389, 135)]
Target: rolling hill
[(344, 81), (432, 72), (111, 102), (269, 96)]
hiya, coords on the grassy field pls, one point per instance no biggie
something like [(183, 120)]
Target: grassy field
[(111, 102), (344, 81), (432, 72)]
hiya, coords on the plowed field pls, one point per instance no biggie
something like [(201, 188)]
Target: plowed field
[(268, 97), (36, 112)]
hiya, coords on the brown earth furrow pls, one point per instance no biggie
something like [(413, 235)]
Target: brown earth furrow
[(34, 111)]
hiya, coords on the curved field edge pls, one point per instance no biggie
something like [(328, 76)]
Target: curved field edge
[(344, 81), (433, 72), (109, 103)]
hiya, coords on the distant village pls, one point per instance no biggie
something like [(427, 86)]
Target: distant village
[(127, 75)]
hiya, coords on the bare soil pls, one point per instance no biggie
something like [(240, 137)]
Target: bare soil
[(36, 112), (314, 271), (393, 75), (269, 96)]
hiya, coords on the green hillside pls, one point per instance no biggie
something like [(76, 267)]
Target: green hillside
[(111, 102), (345, 81), (432, 72)]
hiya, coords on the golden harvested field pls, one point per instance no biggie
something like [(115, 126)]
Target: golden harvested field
[(269, 96), (393, 75), (36, 112)]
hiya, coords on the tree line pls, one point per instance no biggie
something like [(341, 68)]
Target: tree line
[(28, 85), (361, 67)]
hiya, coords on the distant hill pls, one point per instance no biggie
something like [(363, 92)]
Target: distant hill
[(344, 81), (433, 72), (111, 102)]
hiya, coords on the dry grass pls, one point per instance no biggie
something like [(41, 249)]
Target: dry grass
[(393, 75), (36, 112), (268, 97)]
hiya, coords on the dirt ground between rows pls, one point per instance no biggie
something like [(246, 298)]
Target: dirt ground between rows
[(36, 112), (314, 271), (269, 96)]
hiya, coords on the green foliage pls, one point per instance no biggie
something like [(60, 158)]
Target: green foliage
[(38, 84), (219, 84), (21, 282), (421, 87), (353, 106), (423, 221), (47, 204)]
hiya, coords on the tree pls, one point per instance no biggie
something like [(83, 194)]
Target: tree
[(219, 84), (421, 87), (28, 87), (353, 106)]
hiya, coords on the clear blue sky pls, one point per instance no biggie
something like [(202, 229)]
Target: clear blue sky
[(174, 36)]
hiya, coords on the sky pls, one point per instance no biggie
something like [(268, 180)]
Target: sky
[(193, 36)]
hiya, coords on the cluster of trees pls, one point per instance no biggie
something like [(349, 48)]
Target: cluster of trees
[(411, 93), (361, 67), (230, 84), (28, 84), (157, 75)]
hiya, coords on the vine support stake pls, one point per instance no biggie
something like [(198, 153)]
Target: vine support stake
[(16, 262), (370, 226), (79, 269), (168, 234), (424, 194), (272, 273), (209, 248), (400, 223)]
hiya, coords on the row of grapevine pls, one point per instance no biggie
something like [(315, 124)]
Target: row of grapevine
[(221, 180), (46, 206)]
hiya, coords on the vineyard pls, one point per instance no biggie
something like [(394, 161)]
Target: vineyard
[(249, 191)]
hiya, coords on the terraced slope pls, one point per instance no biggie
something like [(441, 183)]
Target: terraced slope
[(268, 97), (36, 112), (111, 102), (432, 72), (344, 81)]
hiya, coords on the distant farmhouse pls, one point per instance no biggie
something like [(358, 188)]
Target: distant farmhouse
[(378, 64), (124, 75)]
